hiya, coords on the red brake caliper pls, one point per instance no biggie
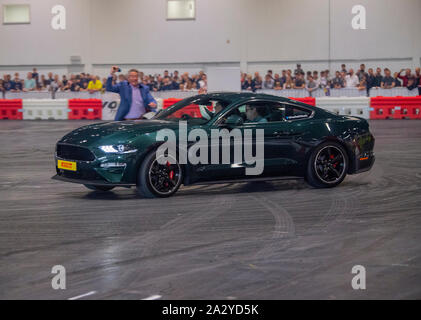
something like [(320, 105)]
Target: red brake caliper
[(331, 157), (171, 174)]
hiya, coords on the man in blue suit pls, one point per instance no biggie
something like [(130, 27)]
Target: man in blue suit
[(135, 98)]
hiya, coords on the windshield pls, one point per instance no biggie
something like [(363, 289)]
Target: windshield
[(200, 110)]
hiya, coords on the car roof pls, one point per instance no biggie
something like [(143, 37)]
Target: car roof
[(237, 96)]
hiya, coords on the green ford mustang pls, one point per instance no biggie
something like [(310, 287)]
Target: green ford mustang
[(215, 138)]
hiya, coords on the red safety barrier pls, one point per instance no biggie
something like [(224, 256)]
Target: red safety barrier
[(192, 110), (395, 108), (85, 109), (169, 102), (11, 109), (308, 100)]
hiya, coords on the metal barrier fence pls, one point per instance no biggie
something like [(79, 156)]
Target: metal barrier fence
[(174, 94), (79, 95), (297, 93), (348, 92), (394, 92), (62, 109), (28, 95)]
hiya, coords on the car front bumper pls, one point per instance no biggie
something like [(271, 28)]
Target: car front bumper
[(110, 170), (91, 182)]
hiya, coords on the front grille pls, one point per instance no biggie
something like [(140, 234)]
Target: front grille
[(70, 152)]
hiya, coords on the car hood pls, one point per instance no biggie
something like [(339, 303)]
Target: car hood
[(114, 132)]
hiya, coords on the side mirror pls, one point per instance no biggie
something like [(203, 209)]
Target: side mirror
[(158, 112)]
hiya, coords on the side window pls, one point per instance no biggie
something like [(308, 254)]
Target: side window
[(236, 116), (256, 112), (276, 112), (261, 112), (242, 109), (294, 112)]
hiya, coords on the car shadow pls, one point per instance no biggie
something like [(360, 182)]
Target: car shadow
[(200, 190), (244, 187), (114, 194), (217, 189)]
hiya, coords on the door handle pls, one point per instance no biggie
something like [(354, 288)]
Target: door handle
[(279, 134)]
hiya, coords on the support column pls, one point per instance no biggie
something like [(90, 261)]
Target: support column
[(244, 41), (87, 54)]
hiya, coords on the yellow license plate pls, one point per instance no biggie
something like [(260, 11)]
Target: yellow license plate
[(66, 165)]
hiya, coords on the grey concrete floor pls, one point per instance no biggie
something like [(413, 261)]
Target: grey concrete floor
[(280, 240)]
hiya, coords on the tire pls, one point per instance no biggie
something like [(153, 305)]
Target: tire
[(327, 166), (98, 188), (157, 180)]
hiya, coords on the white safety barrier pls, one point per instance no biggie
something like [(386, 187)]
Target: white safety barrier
[(347, 106), (45, 109), (394, 92)]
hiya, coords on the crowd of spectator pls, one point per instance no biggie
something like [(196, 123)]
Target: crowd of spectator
[(345, 78), (92, 83), (286, 79)]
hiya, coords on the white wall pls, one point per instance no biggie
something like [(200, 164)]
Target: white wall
[(37, 43), (146, 37), (389, 34), (258, 34)]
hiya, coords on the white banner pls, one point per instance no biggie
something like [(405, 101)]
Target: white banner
[(110, 104)]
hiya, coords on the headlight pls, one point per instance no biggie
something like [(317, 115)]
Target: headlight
[(120, 148)]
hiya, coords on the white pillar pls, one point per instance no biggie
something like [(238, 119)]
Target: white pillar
[(87, 54)]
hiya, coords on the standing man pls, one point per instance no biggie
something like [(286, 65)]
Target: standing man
[(371, 80), (35, 76), (338, 81), (406, 77), (311, 85), (298, 70), (7, 82), (268, 83), (30, 84), (378, 77), (136, 100), (388, 82), (361, 74), (17, 84), (95, 84), (351, 80), (418, 79)]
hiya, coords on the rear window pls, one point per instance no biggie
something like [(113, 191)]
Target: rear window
[(295, 113)]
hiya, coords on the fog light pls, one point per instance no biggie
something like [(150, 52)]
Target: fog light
[(113, 165)]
